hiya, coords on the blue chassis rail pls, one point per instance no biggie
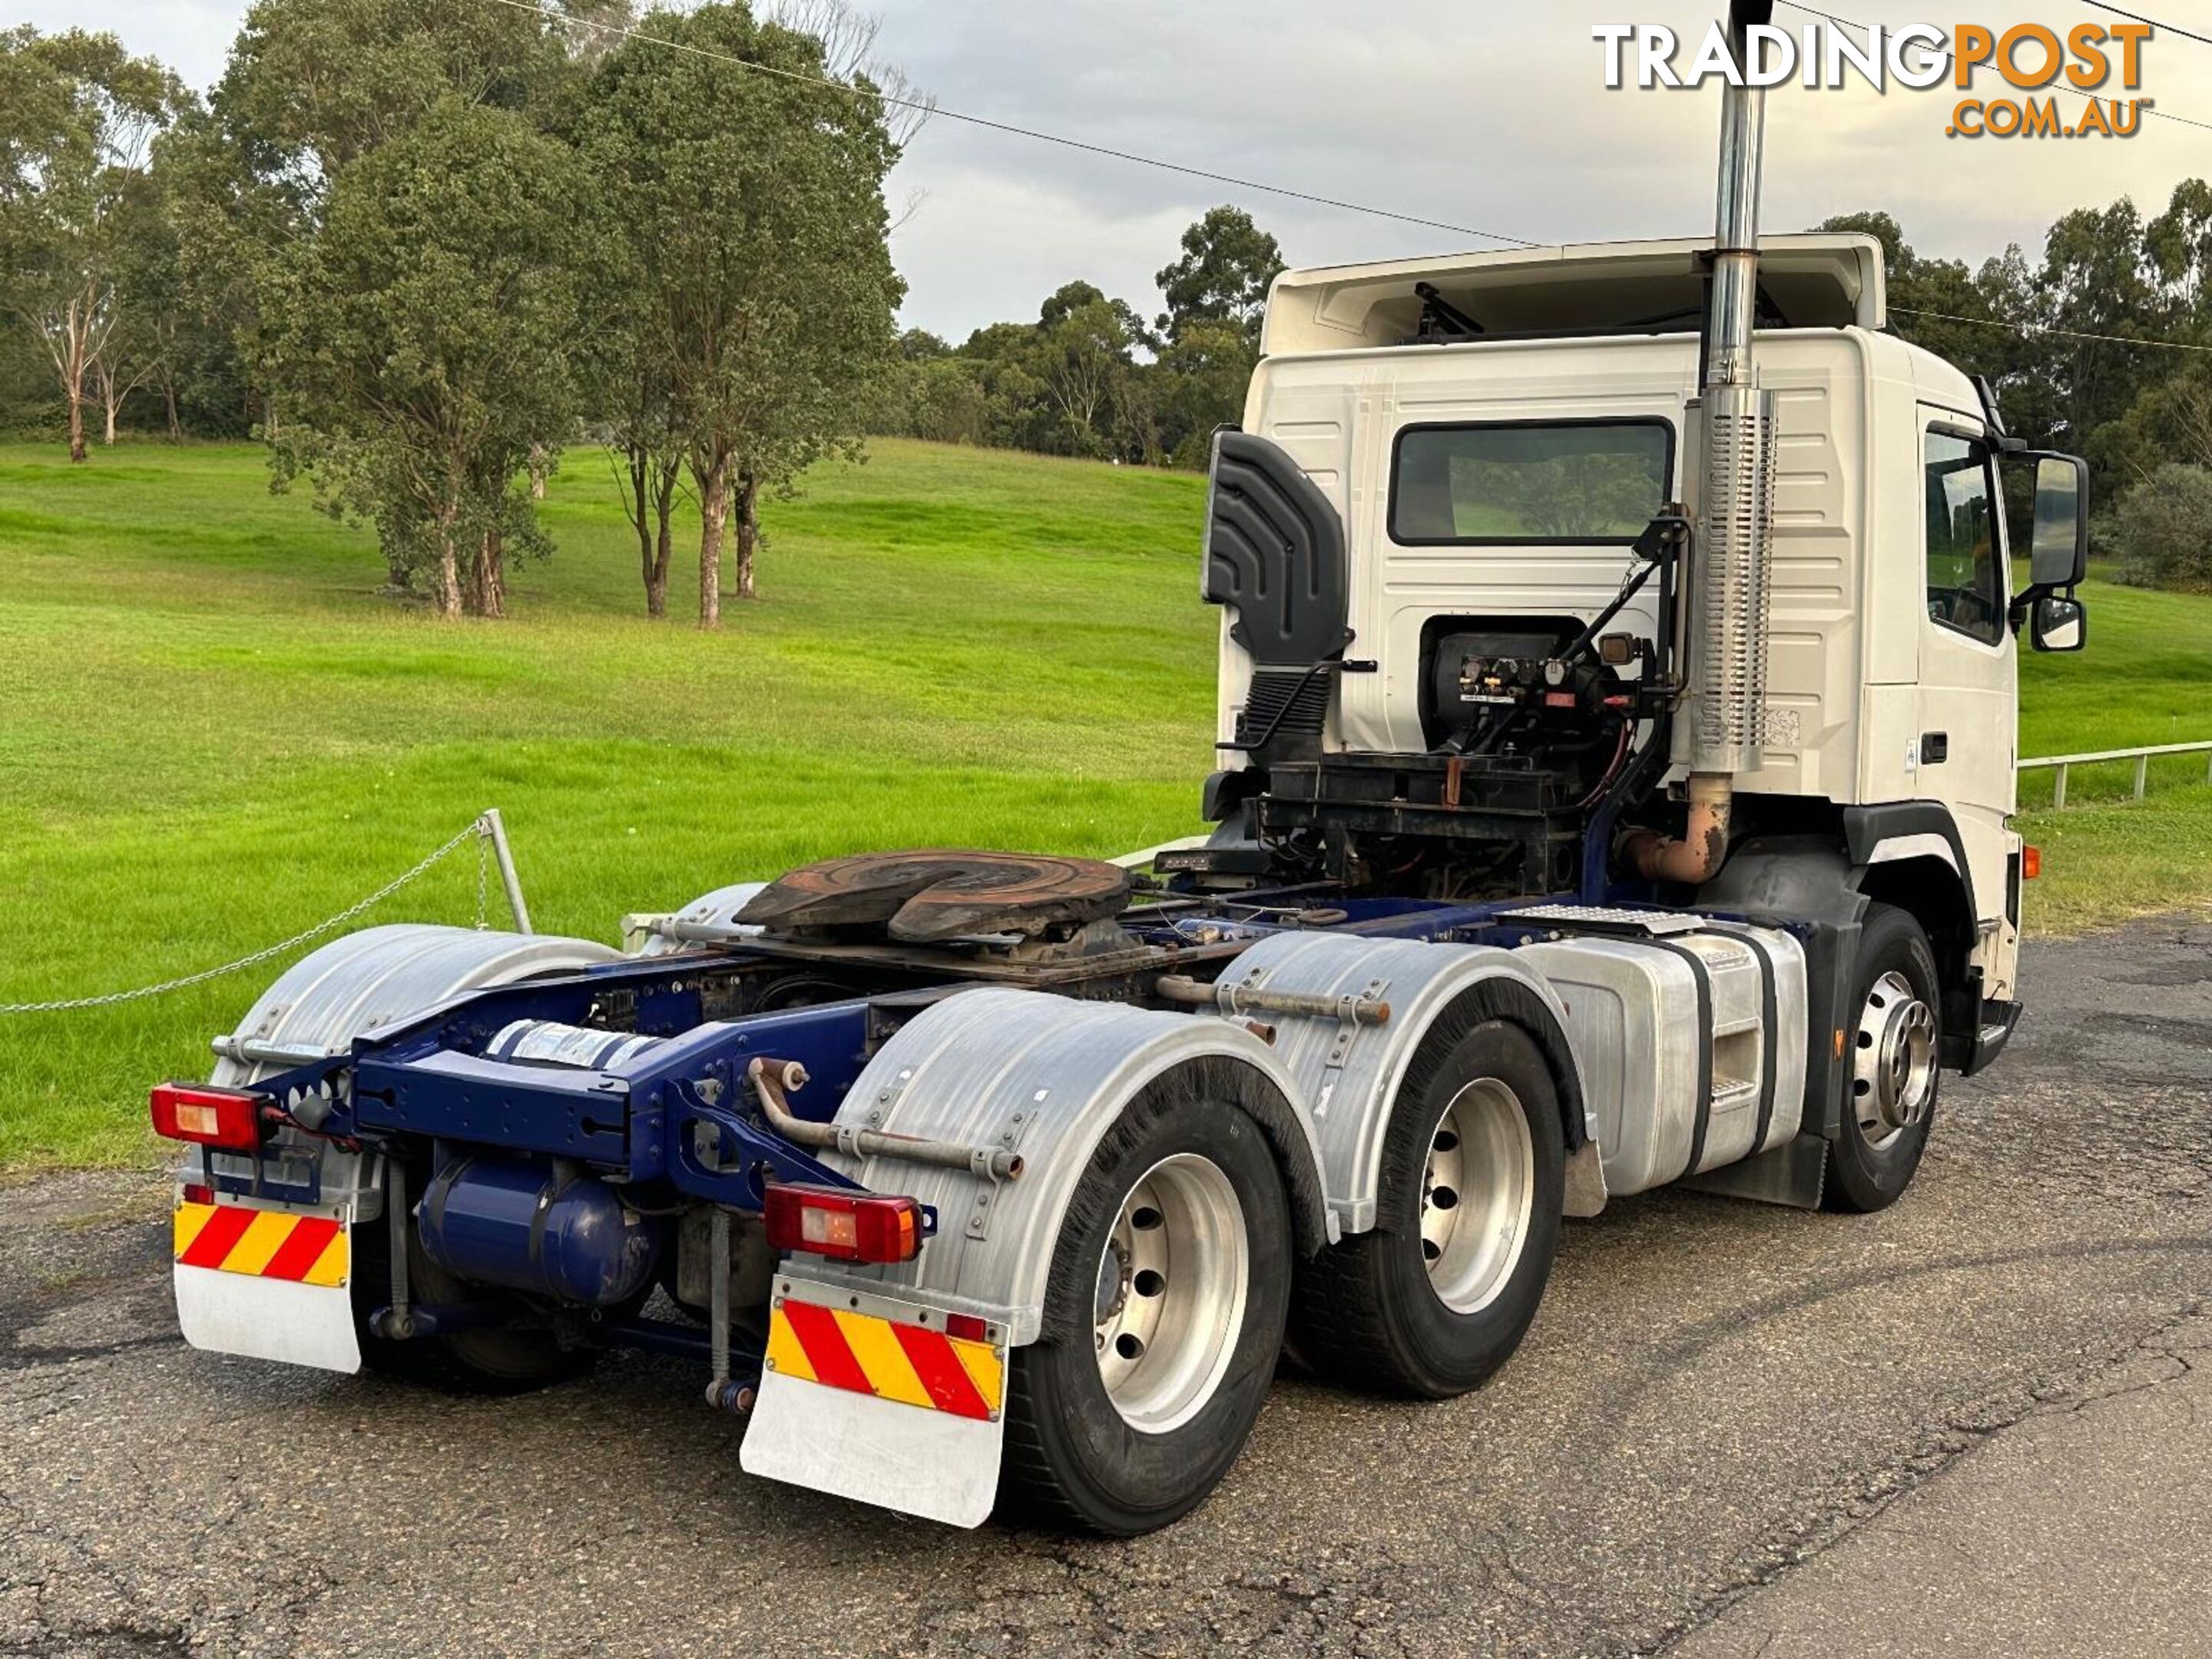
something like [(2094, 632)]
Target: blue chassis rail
[(682, 1112)]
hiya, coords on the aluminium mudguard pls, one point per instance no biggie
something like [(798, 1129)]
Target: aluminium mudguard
[(1044, 1076), (380, 976), (1347, 1075), (363, 982), (710, 919)]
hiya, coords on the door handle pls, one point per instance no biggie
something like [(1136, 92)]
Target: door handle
[(1935, 748)]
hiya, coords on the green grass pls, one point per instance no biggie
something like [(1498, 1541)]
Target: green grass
[(214, 733), (2146, 679)]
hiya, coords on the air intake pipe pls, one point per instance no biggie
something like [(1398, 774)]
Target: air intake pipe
[(1736, 507)]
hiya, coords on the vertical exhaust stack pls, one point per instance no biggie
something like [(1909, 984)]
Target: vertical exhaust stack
[(1735, 510)]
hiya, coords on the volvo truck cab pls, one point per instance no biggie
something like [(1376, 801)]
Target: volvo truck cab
[(1497, 435)]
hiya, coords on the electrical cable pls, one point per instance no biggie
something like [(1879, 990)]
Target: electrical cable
[(2137, 17), (2147, 109), (2043, 328), (930, 109)]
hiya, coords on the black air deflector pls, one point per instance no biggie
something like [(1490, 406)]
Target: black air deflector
[(1275, 555)]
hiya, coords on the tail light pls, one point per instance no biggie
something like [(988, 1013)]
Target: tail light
[(845, 1226), (2030, 863), (228, 1118)]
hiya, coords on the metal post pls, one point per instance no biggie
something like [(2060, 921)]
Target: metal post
[(2142, 774), (497, 831), (2059, 791), (2208, 770)]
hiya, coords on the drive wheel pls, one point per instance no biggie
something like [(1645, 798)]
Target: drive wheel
[(1164, 1316), (1889, 1093), (1437, 1297)]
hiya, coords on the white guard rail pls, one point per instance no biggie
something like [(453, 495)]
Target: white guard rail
[(2063, 763)]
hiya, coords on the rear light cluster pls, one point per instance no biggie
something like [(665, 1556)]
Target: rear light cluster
[(845, 1227), (228, 1118)]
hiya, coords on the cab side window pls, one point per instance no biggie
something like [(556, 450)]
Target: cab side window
[(1965, 589)]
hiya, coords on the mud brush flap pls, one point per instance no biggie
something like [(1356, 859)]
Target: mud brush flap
[(877, 1403), (266, 1284)]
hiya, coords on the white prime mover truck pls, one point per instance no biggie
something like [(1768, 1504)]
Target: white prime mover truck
[(1616, 723)]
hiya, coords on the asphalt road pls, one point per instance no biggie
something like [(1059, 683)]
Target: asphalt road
[(1729, 1422)]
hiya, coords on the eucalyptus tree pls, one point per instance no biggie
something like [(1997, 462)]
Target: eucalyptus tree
[(312, 85), (78, 115), (310, 88), (425, 337), (747, 172), (1227, 265)]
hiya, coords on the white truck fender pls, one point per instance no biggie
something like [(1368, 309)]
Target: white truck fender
[(1045, 1077), (1346, 1075)]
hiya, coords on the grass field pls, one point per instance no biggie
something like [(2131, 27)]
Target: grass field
[(213, 733)]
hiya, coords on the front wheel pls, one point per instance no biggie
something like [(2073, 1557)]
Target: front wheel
[(1889, 1101), (1437, 1297), (1163, 1318)]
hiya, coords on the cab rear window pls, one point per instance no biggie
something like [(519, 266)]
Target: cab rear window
[(1518, 482)]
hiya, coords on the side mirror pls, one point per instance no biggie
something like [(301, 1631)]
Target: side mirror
[(2058, 622), (2059, 549)]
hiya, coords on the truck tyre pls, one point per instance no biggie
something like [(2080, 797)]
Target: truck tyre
[(1437, 1297), (1164, 1316), (473, 1362), (1892, 1056)]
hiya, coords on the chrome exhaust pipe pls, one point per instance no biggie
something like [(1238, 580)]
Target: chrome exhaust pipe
[(1735, 505)]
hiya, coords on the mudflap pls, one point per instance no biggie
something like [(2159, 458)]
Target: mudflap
[(875, 1399), (266, 1283)]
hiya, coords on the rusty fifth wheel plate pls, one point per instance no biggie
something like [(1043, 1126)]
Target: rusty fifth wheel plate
[(921, 897)]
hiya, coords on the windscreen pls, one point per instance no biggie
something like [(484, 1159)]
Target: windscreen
[(1579, 480)]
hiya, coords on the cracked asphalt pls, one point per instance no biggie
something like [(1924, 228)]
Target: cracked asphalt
[(1734, 1430)]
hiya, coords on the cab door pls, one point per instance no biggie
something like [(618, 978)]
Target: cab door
[(1966, 754)]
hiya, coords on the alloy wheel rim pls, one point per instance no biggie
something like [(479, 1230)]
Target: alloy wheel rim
[(1893, 1062), (1172, 1283), (1473, 1240)]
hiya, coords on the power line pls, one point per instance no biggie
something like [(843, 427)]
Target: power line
[(926, 107), (2137, 17), (2146, 109), (2044, 328)]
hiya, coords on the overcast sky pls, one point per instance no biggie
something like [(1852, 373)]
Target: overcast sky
[(1483, 114)]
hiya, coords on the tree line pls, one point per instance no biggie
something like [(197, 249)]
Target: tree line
[(420, 252), (1091, 377), (2103, 348)]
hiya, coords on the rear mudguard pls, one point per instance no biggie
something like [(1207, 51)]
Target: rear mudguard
[(1044, 1077), (1348, 1074), (363, 983)]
